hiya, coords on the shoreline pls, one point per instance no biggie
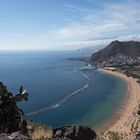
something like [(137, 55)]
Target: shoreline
[(125, 121), (116, 116)]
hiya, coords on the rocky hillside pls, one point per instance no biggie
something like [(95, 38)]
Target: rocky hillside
[(12, 123), (130, 48), (74, 133), (13, 126)]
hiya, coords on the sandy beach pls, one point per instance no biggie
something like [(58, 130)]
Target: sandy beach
[(127, 125)]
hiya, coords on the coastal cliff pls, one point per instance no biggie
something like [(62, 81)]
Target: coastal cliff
[(13, 126), (12, 123)]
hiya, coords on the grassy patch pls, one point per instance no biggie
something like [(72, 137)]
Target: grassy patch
[(39, 132)]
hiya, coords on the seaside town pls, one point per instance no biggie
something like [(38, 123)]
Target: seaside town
[(126, 64)]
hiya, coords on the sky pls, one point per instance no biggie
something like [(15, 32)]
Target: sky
[(67, 24)]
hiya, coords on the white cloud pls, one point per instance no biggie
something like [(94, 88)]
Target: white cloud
[(84, 31), (97, 43), (133, 37), (114, 19), (75, 8), (109, 21)]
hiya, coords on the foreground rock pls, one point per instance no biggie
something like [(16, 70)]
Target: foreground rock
[(13, 136), (11, 116), (13, 126), (74, 133)]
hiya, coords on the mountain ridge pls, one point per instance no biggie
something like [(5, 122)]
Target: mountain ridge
[(128, 48)]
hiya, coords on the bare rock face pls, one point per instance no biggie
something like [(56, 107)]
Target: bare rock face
[(74, 133), (14, 127), (13, 136)]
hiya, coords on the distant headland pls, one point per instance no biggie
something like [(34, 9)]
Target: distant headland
[(122, 59)]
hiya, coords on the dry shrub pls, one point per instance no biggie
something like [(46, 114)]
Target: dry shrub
[(39, 132)]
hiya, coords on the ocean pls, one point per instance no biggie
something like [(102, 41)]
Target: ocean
[(61, 92)]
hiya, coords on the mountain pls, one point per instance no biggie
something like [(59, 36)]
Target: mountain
[(129, 48)]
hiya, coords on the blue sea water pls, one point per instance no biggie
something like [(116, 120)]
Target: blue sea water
[(61, 93)]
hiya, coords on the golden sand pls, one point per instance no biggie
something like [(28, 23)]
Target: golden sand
[(127, 126)]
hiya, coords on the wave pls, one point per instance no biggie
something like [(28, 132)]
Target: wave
[(63, 100)]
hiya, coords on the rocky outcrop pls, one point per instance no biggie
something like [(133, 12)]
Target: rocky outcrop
[(74, 133), (13, 136), (14, 127), (11, 117)]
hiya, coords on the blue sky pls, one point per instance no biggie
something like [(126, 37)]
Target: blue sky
[(67, 24)]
